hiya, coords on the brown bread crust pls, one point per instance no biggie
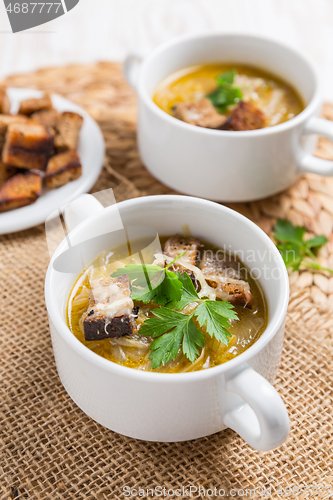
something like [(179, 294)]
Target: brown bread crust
[(62, 168), (245, 116), (5, 121), (27, 145), (29, 106), (237, 295), (223, 275), (47, 117), (4, 101), (178, 244), (20, 190), (68, 130), (200, 113), (6, 172), (97, 329)]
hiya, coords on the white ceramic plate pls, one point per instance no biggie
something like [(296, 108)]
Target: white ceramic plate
[(91, 151)]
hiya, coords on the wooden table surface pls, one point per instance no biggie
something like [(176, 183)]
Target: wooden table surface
[(109, 29)]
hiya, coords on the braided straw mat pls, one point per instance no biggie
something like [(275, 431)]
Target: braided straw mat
[(51, 450)]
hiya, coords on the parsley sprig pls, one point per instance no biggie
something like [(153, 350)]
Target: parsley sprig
[(174, 330), (295, 250), (225, 93), (171, 329)]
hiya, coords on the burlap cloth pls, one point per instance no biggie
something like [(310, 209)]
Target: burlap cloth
[(51, 450)]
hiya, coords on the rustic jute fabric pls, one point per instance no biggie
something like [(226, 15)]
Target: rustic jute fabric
[(51, 450)]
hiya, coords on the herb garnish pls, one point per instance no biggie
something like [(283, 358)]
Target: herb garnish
[(214, 315), (170, 328), (226, 93), (296, 251)]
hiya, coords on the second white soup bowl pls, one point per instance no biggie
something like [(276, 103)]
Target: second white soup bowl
[(225, 165)]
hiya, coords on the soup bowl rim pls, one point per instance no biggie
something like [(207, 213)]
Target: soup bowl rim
[(58, 320), (306, 113)]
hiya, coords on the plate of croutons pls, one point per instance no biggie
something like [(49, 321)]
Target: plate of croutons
[(51, 151)]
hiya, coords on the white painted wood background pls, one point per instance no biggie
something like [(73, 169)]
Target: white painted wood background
[(108, 29)]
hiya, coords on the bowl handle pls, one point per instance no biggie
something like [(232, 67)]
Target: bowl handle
[(131, 68), (80, 209), (309, 163), (262, 421)]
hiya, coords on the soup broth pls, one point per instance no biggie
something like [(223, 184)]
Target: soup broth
[(277, 100), (133, 351)]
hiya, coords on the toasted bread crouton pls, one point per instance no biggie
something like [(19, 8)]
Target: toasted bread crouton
[(47, 117), (62, 168), (20, 190), (29, 106), (110, 311), (27, 145), (245, 116), (68, 130), (178, 244), (4, 101), (225, 276), (201, 113), (6, 172), (6, 120)]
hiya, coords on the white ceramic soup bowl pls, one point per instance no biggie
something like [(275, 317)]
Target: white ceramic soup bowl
[(226, 165), (166, 406)]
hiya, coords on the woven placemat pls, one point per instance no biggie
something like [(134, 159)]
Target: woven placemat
[(51, 450)]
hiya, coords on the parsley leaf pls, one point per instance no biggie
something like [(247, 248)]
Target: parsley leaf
[(286, 232), (188, 293), (291, 255), (215, 315), (192, 340), (226, 78), (166, 346), (316, 242), (142, 295), (152, 283), (170, 288), (225, 93), (222, 97), (296, 251), (154, 327), (141, 274)]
